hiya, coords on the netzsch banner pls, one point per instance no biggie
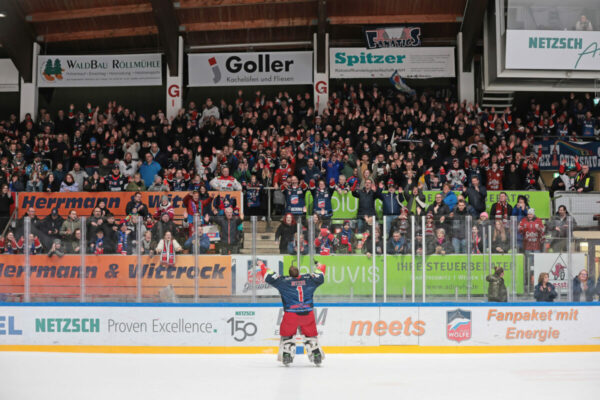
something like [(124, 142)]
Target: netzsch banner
[(116, 202), (115, 275)]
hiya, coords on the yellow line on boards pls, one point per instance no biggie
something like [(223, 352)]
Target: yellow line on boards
[(327, 349)]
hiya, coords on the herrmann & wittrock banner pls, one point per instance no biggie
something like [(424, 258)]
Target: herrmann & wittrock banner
[(101, 70), (410, 62), (346, 274), (251, 69), (564, 50), (344, 328)]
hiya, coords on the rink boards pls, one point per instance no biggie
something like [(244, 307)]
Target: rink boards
[(343, 328)]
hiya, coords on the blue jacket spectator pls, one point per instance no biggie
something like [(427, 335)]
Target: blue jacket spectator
[(449, 197), (149, 170), (333, 168), (583, 287)]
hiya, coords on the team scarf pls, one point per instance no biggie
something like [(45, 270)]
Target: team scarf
[(122, 243), (168, 253)]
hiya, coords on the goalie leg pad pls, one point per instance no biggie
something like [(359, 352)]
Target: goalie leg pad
[(287, 345), (313, 348)]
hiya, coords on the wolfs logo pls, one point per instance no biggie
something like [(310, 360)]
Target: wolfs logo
[(458, 325), (215, 68)]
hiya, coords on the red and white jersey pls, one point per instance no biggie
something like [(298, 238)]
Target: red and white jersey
[(533, 233), (494, 179), (225, 183)]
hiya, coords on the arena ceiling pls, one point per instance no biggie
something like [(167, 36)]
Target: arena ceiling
[(120, 26)]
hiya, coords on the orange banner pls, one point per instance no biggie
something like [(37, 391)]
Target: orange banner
[(116, 202), (115, 275)]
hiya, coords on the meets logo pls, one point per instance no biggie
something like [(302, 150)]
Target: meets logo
[(8, 327), (458, 325), (67, 325), (382, 328)]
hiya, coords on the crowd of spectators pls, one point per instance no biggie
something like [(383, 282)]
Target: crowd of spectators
[(373, 143)]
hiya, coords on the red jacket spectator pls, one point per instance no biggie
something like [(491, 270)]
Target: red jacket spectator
[(532, 229)]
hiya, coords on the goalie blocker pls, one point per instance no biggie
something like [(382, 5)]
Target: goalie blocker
[(297, 297)]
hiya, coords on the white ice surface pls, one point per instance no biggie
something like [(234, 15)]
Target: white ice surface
[(25, 376)]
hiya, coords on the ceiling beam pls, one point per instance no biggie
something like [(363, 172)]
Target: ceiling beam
[(98, 34), (17, 38), (168, 31), (471, 28), (184, 4), (62, 15), (394, 19), (248, 24)]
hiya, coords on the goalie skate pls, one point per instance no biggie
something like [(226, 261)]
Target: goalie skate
[(313, 351), (287, 350)]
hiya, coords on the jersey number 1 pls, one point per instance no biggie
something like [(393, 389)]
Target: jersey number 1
[(300, 294)]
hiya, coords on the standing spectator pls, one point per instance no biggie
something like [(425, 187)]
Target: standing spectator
[(285, 232), (440, 211), (544, 290), (165, 207), (449, 196), (149, 169), (69, 184), (225, 182), (127, 166), (501, 209), (230, 232), (391, 203), (346, 239), (125, 238), (322, 200), (584, 182), (366, 202), (476, 241), (6, 201), (51, 226), (521, 208), (325, 242), (68, 227), (458, 227), (415, 200), (476, 194), (72, 245), (497, 289), (583, 24), (295, 202), (163, 226), (254, 197), (532, 229), (115, 182), (583, 287), (135, 206), (558, 227)]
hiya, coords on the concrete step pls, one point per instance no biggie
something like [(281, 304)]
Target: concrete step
[(261, 226), (260, 236)]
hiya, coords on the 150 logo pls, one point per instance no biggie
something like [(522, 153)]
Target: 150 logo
[(240, 327)]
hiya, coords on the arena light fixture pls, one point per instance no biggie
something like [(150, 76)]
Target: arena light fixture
[(2, 14)]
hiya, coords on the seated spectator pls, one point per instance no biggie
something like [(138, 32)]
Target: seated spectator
[(72, 244), (136, 184), (147, 246), (583, 287), (285, 233), (56, 249), (95, 183), (167, 248), (293, 245), (125, 239), (165, 207), (203, 240), (544, 290), (51, 184), (158, 185), (500, 238), (325, 242), (115, 182), (78, 174), (583, 24), (69, 184), (9, 244), (476, 241), (440, 244), (396, 244)]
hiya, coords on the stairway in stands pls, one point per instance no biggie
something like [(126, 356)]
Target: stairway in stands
[(265, 240)]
